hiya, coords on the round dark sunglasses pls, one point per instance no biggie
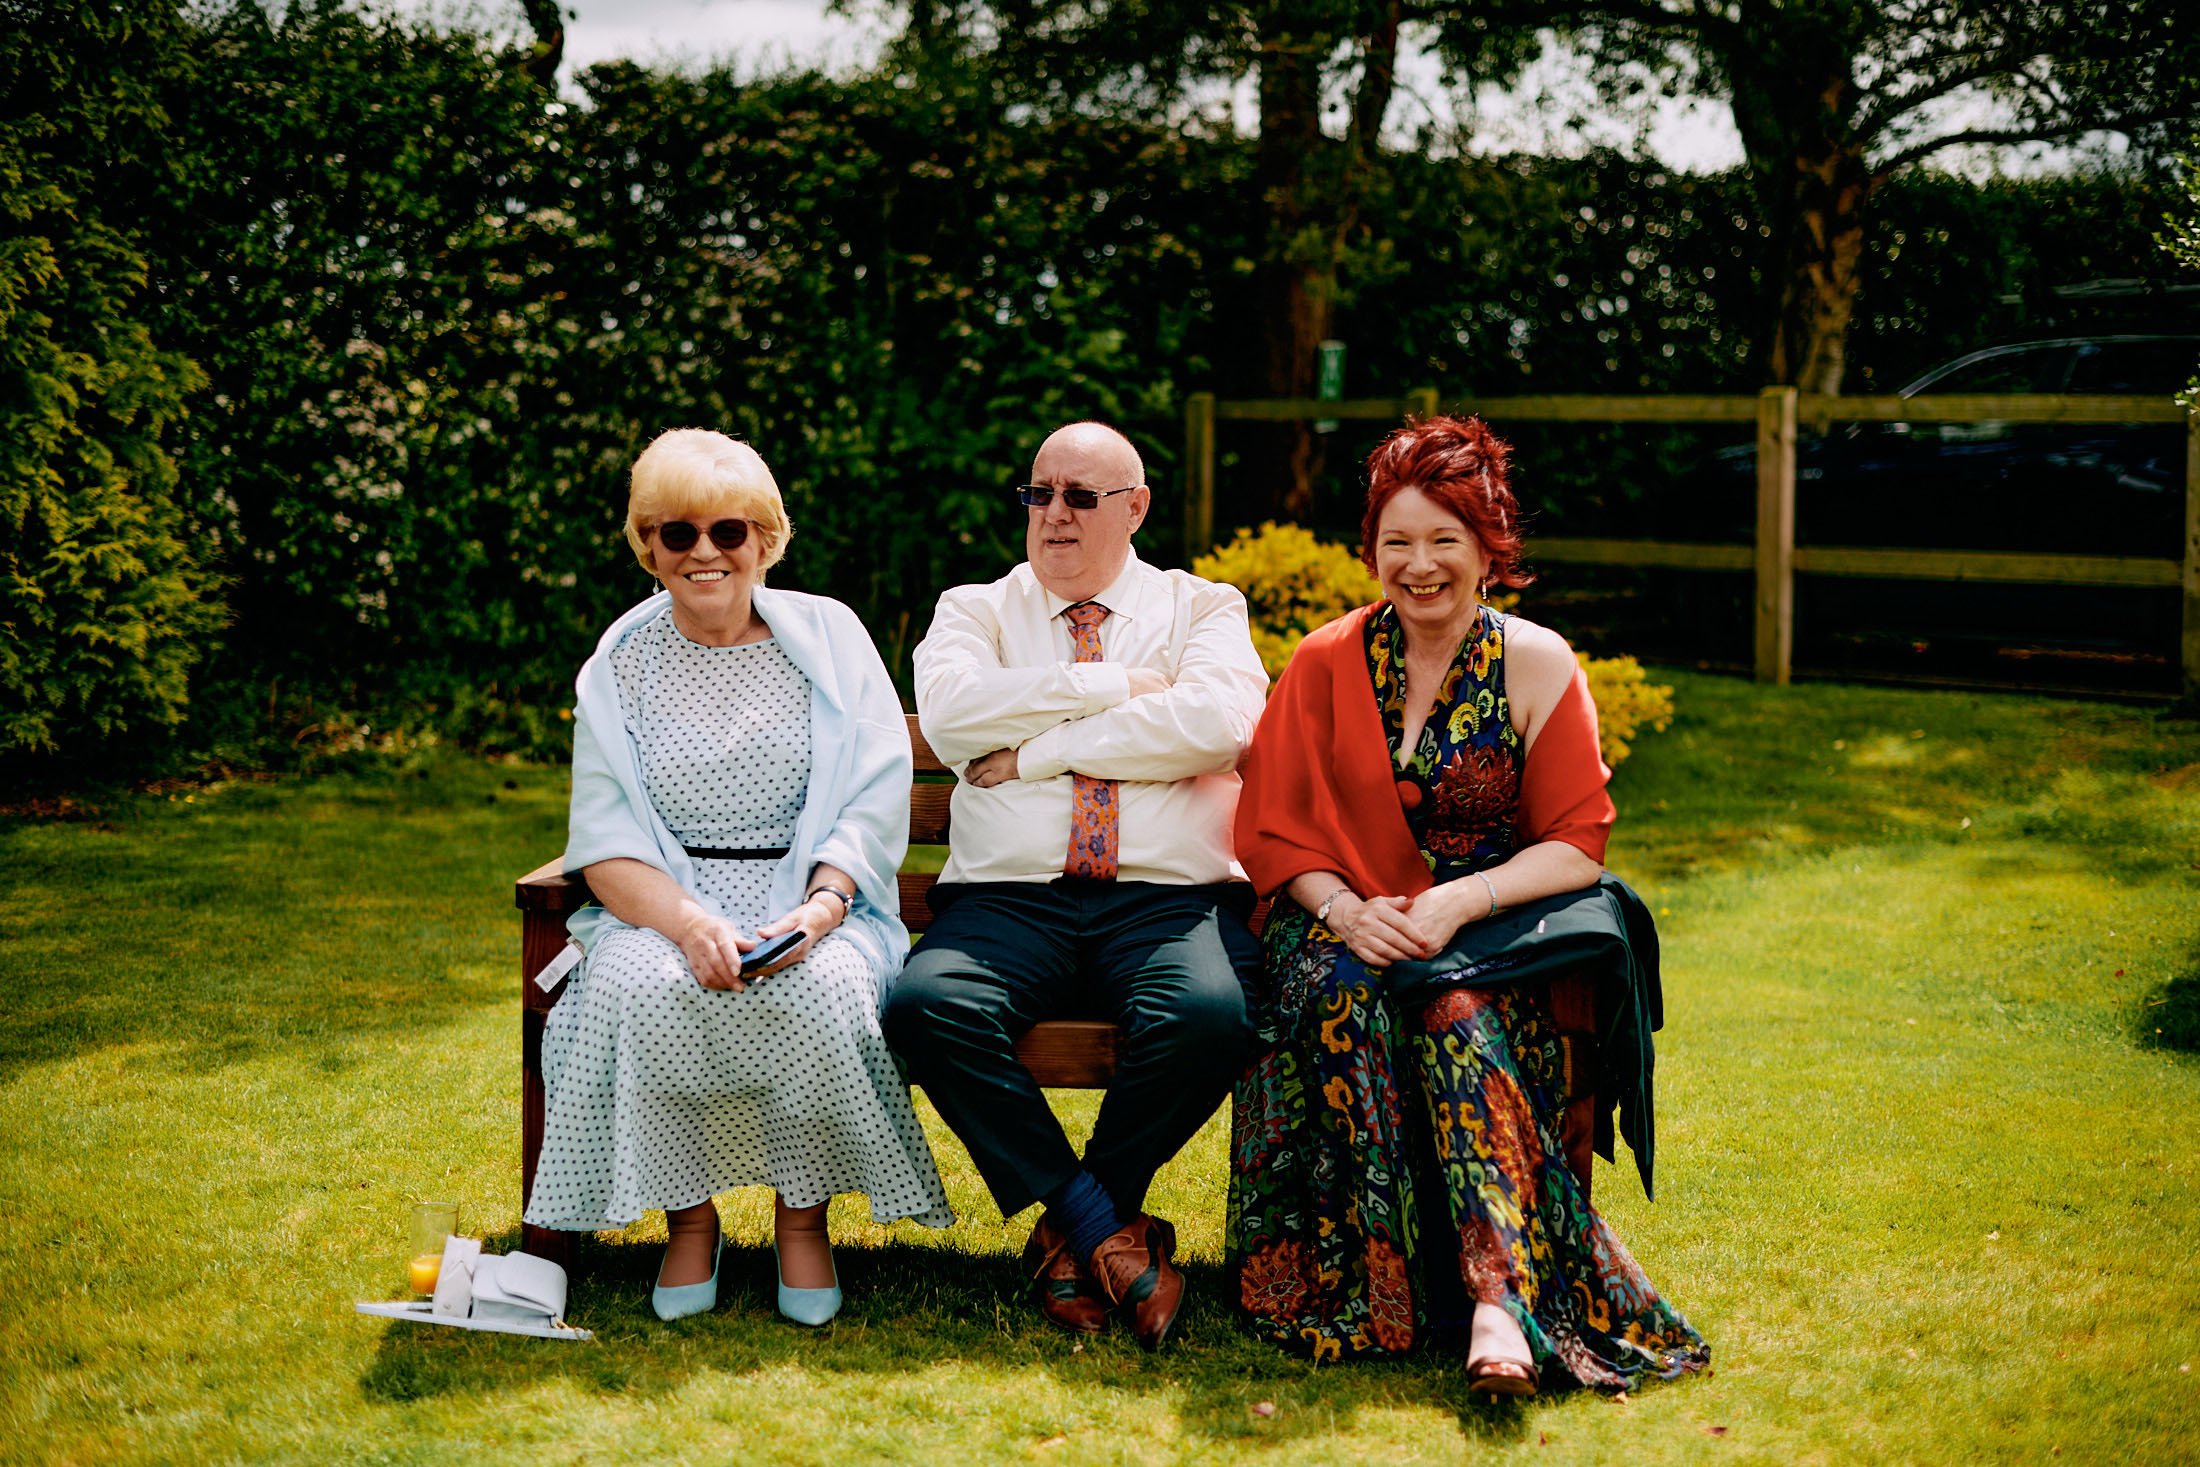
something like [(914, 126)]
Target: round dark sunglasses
[(679, 537), (1039, 496)]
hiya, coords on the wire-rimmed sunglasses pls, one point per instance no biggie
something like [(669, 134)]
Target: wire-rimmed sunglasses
[(1039, 496), (679, 536)]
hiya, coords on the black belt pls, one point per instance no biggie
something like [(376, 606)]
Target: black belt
[(727, 853)]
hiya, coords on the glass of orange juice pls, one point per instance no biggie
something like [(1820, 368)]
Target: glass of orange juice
[(432, 1225)]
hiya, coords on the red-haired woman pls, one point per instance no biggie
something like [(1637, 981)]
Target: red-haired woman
[(1426, 763)]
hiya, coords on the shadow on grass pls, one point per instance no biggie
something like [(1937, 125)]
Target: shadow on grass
[(262, 916), (911, 1308), (2169, 1017)]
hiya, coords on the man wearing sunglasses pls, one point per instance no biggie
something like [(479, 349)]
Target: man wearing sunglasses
[(1096, 708)]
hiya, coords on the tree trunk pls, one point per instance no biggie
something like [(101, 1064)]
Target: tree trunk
[(1823, 269), (1311, 190), (1296, 285), (542, 60), (1798, 129)]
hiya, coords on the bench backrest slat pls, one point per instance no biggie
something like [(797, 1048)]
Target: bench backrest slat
[(927, 761), (928, 814), (929, 799)]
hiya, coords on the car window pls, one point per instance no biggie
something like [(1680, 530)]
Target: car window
[(2144, 368), (2036, 370)]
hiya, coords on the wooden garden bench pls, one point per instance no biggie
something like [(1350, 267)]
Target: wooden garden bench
[(1076, 1054)]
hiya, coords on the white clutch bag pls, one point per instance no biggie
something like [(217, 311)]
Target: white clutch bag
[(510, 1293), (519, 1287)]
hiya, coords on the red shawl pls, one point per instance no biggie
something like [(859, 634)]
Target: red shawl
[(1320, 794)]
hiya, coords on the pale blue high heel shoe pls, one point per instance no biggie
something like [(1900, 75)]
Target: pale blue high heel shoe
[(806, 1306), (685, 1299)]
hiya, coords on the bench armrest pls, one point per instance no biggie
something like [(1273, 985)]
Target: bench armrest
[(548, 889)]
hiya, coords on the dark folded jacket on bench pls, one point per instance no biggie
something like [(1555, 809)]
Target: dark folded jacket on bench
[(1602, 932)]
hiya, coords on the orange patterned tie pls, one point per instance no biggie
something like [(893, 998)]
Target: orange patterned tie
[(1094, 823)]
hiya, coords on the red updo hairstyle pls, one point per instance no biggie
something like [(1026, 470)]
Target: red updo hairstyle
[(1461, 464)]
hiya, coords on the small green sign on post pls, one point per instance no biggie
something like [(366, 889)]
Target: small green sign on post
[(1328, 378)]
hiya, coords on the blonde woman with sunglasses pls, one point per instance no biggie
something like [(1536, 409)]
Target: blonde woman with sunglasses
[(740, 807)]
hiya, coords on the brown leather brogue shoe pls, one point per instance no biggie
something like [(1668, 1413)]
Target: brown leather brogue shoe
[(1135, 1273), (1068, 1296)]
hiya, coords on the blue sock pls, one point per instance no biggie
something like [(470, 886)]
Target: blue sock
[(1084, 1212)]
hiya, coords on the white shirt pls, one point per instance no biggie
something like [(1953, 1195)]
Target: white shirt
[(998, 671)]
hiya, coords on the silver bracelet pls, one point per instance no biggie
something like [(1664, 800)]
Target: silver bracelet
[(1493, 893), (1321, 913)]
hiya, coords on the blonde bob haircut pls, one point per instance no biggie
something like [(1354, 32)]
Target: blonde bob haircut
[(697, 475)]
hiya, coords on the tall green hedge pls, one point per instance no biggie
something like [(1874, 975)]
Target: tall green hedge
[(104, 596), (437, 312)]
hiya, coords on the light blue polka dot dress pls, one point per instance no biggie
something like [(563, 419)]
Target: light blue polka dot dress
[(662, 1093)]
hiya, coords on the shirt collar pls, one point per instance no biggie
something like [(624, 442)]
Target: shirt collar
[(1121, 598)]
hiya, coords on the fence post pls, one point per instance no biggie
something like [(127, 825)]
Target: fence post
[(1421, 402), (1199, 474), (2191, 659), (1775, 619)]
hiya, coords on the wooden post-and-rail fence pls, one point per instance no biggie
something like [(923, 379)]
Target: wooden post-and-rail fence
[(1779, 414)]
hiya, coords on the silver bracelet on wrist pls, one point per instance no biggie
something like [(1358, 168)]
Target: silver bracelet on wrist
[(1321, 913), (1493, 893)]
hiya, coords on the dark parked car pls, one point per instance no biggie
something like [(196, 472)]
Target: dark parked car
[(2088, 488)]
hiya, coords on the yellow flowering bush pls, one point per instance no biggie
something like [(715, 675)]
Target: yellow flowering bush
[(1627, 702), (1294, 583)]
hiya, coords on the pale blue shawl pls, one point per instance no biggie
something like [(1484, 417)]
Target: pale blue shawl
[(855, 814)]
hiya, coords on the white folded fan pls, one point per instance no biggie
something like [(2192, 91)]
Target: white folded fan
[(511, 1294)]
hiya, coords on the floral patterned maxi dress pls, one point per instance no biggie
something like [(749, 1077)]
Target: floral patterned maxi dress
[(1390, 1169)]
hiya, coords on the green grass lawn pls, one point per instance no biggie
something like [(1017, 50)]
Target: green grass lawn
[(1927, 1178)]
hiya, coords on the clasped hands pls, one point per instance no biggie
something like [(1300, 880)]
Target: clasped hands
[(713, 945), (1396, 929), (999, 767)]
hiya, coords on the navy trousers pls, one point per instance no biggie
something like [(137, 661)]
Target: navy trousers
[(1168, 963)]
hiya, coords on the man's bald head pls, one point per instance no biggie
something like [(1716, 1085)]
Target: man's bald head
[(1078, 553), (1094, 445)]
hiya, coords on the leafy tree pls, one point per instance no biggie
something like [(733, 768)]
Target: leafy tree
[(438, 314), (1833, 98), (2181, 234), (1324, 73), (104, 595)]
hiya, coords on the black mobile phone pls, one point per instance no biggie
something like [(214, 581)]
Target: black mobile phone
[(770, 955)]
